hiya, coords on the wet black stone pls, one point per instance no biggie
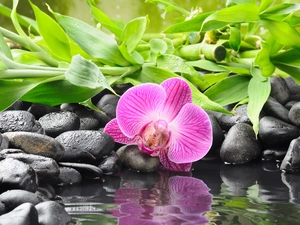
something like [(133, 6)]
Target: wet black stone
[(86, 170), (279, 89), (46, 190), (111, 164), (240, 145), (88, 118), (18, 120), (226, 121), (4, 143), (52, 213), (133, 158), (68, 176), (56, 123), (273, 108), (16, 174), (275, 133), (39, 110), (121, 88), (139, 180), (37, 144), (289, 104), (218, 137), (294, 114), (2, 208), (273, 155), (294, 88), (45, 167), (108, 104), (291, 161), (85, 145), (25, 214), (14, 198)]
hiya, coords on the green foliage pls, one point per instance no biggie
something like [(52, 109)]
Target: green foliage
[(227, 56)]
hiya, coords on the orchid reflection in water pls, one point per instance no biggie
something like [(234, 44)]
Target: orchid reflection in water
[(163, 122), (173, 200)]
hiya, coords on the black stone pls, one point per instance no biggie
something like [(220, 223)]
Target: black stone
[(45, 167), (218, 138), (25, 214), (108, 104), (2, 208), (290, 104), (56, 123), (240, 145), (69, 176), (273, 155), (85, 145), (291, 161), (273, 108), (294, 88), (133, 158), (4, 142), (111, 164), (16, 174), (52, 213), (89, 120), (86, 170), (275, 133), (279, 89), (294, 114), (14, 198), (19, 120), (37, 144), (226, 121), (39, 110)]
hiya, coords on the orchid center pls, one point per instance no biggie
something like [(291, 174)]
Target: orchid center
[(154, 137)]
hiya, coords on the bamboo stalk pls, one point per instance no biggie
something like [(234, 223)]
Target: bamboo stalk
[(202, 51)]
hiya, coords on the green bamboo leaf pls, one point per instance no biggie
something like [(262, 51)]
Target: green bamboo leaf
[(177, 65), (212, 78), (4, 48), (61, 91), (12, 90), (105, 21), (237, 2), (132, 35), (280, 10), (263, 60), (265, 4), (258, 92), (235, 38), (231, 15), (23, 20), (93, 41), (281, 30), (206, 65), (158, 75), (230, 90), (84, 73), (53, 35), (192, 25)]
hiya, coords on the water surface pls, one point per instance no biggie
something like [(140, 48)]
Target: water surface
[(213, 193)]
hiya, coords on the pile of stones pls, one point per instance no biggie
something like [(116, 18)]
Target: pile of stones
[(42, 147)]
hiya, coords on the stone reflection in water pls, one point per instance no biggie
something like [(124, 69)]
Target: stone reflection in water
[(293, 183), (177, 198)]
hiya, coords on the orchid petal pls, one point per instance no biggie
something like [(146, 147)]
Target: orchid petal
[(163, 157), (138, 106), (112, 128), (178, 94), (191, 135)]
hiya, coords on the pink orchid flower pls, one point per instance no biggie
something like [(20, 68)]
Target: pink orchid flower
[(163, 122)]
